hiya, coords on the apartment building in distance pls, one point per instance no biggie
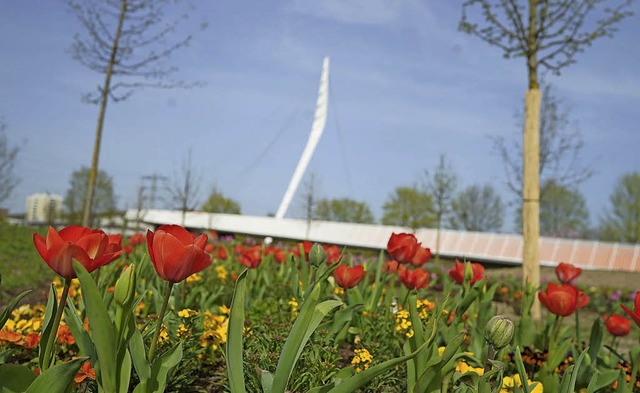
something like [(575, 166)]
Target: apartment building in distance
[(43, 208)]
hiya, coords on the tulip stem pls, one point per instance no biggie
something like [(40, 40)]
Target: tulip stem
[(156, 335), (46, 360), (578, 329), (491, 353)]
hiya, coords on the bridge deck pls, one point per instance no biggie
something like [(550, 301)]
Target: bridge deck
[(475, 246)]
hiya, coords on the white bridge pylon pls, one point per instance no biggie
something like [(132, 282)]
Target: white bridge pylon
[(319, 121)]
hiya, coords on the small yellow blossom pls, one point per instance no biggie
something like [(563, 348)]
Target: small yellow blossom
[(187, 313), (221, 272), (362, 359), (194, 278)]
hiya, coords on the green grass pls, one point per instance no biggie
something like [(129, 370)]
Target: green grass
[(20, 264)]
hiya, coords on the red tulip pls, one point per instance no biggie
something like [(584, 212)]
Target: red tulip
[(252, 257), (635, 315), (414, 279), (617, 325), (306, 247), (176, 253), (583, 299), (333, 254), (560, 299), (279, 255), (348, 277), (422, 256), (209, 248), (115, 243), (402, 247), (222, 252), (390, 266), (89, 247), (457, 272), (136, 239), (566, 272)]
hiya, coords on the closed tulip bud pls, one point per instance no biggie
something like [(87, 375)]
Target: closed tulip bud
[(468, 272), (499, 331), (125, 291), (317, 255)]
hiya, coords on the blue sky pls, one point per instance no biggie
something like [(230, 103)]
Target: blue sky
[(406, 86)]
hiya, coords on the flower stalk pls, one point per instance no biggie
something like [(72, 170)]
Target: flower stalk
[(156, 335)]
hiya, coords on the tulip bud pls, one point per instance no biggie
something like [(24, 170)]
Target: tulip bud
[(499, 331), (125, 291), (468, 272), (317, 255)]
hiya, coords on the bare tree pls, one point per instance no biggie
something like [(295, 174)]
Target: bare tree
[(477, 208), (8, 155), (308, 200), (130, 43), (561, 147), (441, 185), (547, 33), (185, 190)]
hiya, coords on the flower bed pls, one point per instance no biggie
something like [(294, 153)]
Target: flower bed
[(176, 311)]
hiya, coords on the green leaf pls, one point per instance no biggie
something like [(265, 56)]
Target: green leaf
[(161, 368), (572, 372), (266, 380), (139, 356), (49, 313), (15, 378), (377, 291), (57, 379), (6, 313), (521, 370), (319, 313), (235, 328), (295, 341), (595, 340), (82, 338), (600, 380), (103, 333)]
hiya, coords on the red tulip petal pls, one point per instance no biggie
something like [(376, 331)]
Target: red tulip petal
[(192, 260), (150, 245), (201, 241), (73, 233), (179, 233), (94, 244), (41, 245), (632, 315)]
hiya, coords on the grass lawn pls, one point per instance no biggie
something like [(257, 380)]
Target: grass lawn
[(20, 265)]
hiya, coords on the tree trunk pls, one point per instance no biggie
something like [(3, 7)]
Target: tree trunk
[(104, 98), (531, 195)]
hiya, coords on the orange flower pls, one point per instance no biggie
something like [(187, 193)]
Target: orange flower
[(390, 266), (64, 335), (348, 277), (10, 336), (89, 247), (176, 253), (86, 371), (31, 340)]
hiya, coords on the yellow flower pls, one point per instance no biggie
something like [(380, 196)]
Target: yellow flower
[(187, 313), (441, 350), (183, 331), (194, 278), (362, 358), (221, 272)]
